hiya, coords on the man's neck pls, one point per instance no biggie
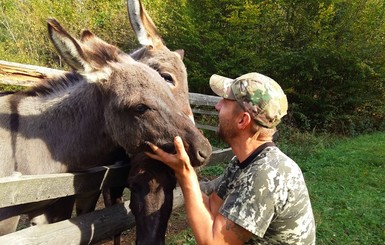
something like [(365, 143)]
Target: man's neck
[(245, 147)]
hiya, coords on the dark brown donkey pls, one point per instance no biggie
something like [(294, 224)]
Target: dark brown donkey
[(151, 183), (77, 120)]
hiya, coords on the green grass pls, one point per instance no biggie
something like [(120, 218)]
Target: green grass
[(346, 182), (5, 87), (185, 237)]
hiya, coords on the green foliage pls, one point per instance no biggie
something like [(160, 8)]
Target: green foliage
[(325, 54), (10, 88), (300, 145), (23, 31), (212, 171)]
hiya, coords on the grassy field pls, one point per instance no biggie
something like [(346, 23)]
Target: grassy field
[(345, 178), (346, 183)]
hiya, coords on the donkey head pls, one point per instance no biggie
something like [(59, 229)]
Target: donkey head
[(154, 53), (138, 105)]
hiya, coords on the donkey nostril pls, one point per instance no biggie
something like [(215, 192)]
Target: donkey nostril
[(203, 155)]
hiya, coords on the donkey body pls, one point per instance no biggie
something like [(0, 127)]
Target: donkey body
[(76, 121)]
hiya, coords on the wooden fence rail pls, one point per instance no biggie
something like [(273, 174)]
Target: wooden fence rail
[(21, 190), (85, 229)]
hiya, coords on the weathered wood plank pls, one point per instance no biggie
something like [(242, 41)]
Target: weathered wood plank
[(208, 127), (17, 189), (92, 227), (221, 155), (84, 229), (205, 112), (203, 99), (13, 73)]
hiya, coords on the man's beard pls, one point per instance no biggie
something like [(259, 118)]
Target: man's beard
[(226, 132)]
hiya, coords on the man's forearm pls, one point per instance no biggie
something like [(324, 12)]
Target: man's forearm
[(197, 208)]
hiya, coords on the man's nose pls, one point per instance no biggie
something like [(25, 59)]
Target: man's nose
[(218, 106)]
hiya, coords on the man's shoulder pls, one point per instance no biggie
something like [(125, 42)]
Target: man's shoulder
[(273, 159)]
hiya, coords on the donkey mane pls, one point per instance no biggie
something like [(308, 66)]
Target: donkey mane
[(53, 85)]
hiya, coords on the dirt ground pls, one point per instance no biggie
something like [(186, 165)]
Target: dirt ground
[(176, 224)]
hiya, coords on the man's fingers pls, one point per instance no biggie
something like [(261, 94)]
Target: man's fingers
[(153, 147), (156, 151), (176, 161), (179, 147), (160, 155), (153, 156)]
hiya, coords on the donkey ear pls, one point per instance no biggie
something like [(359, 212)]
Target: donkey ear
[(88, 41), (180, 52), (68, 47), (86, 35), (143, 25)]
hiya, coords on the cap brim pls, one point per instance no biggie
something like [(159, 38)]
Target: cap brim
[(222, 86)]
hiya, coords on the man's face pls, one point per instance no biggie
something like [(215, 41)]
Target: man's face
[(227, 114)]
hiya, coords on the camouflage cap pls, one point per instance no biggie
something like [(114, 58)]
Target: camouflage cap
[(258, 94)]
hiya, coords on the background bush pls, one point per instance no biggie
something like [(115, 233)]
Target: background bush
[(328, 55)]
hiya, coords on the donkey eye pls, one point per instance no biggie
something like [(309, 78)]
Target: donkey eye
[(168, 78), (141, 108)]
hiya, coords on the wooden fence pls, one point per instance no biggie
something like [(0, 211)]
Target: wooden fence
[(22, 190)]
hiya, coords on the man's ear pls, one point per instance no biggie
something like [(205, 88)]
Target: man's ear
[(244, 120)]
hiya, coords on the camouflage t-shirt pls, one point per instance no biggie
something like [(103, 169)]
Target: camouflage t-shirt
[(267, 195)]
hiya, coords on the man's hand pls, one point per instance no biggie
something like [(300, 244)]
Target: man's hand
[(208, 225), (179, 162)]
